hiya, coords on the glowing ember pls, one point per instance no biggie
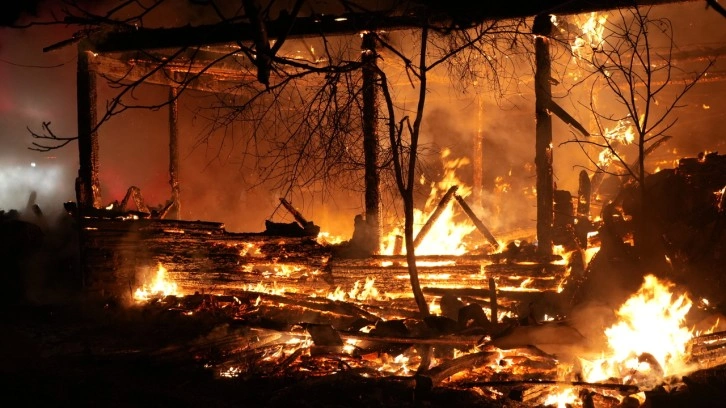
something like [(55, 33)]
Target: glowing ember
[(649, 342), (250, 249), (263, 288), (160, 287), (368, 291)]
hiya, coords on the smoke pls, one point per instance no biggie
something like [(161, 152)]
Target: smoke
[(18, 182)]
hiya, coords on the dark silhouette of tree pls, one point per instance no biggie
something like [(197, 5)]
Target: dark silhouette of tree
[(635, 87)]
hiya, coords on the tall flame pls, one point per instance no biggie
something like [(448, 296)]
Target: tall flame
[(650, 339)]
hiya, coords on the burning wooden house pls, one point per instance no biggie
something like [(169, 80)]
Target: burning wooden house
[(508, 318)]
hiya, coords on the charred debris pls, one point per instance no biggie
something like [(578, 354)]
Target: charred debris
[(493, 346)]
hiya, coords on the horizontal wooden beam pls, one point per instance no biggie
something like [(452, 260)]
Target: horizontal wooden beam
[(173, 75), (455, 14)]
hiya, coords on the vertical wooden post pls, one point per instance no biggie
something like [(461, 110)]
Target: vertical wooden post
[(370, 139), (88, 191), (583, 195), (174, 151), (478, 162), (543, 145)]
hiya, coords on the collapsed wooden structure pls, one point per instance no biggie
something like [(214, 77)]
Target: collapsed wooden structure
[(112, 53)]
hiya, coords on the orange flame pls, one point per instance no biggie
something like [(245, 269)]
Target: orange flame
[(651, 325), (446, 236), (160, 287)]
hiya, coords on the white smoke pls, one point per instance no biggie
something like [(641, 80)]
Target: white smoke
[(19, 181)]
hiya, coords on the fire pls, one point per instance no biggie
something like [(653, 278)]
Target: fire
[(368, 291), (263, 288), (446, 236), (591, 36), (160, 286), (250, 249), (326, 238), (650, 341), (561, 398), (620, 134)]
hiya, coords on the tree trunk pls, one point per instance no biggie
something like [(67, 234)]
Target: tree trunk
[(418, 296), (370, 139)]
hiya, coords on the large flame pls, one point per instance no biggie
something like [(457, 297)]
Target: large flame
[(650, 340), (160, 286), (446, 236)]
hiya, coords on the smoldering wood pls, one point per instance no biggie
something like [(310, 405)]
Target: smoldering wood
[(493, 301), (428, 379), (308, 226), (477, 222), (88, 190), (583, 195), (174, 152), (455, 340), (203, 257), (434, 215), (485, 293), (295, 213), (563, 209), (398, 245), (708, 350), (623, 388), (134, 193)]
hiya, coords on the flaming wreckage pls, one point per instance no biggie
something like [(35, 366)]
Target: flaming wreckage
[(335, 324)]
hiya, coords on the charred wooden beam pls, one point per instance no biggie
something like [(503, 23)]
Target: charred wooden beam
[(583, 195), (563, 209), (434, 216), (493, 301), (88, 190), (485, 293), (461, 16), (477, 222), (174, 151), (309, 227), (542, 29), (427, 380), (452, 340), (623, 388)]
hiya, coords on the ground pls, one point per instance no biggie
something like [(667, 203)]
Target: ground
[(91, 353)]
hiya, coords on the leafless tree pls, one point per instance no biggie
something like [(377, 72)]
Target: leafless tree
[(301, 114), (632, 71)]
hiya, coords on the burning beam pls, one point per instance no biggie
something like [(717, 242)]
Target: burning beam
[(479, 225), (434, 216)]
